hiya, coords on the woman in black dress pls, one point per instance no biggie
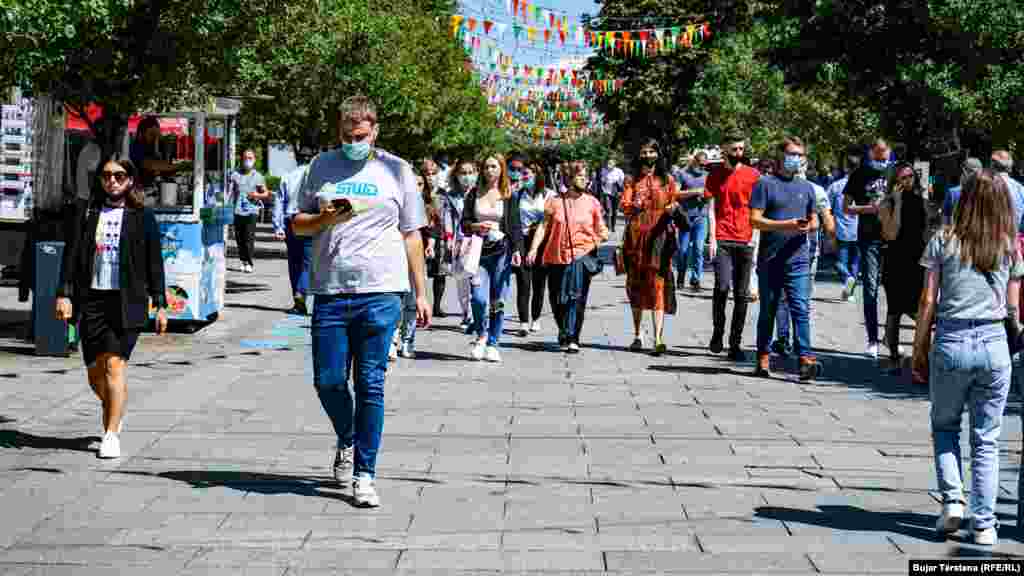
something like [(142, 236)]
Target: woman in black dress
[(904, 217), (113, 272)]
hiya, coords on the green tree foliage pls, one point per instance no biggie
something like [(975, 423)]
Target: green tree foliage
[(121, 54), (314, 53), (931, 68)]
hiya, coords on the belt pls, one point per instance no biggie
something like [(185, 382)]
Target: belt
[(965, 323)]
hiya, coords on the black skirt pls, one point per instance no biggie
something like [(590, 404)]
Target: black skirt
[(102, 329)]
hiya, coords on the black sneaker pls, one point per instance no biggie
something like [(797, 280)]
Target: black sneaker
[(782, 347), (716, 346), (762, 373), (737, 355), (695, 286), (810, 371)]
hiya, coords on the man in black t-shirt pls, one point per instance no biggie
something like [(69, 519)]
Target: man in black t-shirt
[(862, 196)]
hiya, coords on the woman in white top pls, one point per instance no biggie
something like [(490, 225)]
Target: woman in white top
[(530, 280)]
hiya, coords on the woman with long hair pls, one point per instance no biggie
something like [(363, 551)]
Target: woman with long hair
[(649, 194), (492, 213), (572, 230), (971, 286), (450, 206), (113, 273), (530, 277), (904, 217)]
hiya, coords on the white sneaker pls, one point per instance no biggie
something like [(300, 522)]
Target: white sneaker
[(872, 350), (986, 537), (573, 348), (535, 326), (524, 329), (492, 354), (393, 353), (111, 446), (479, 348), (952, 515), (848, 288), (406, 351), (364, 492), (344, 459)]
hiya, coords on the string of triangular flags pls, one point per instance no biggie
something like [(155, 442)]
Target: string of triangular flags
[(639, 42)]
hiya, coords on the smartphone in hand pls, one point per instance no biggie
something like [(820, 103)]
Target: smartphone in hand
[(342, 205)]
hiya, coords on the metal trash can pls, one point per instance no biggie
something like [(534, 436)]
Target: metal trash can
[(51, 335)]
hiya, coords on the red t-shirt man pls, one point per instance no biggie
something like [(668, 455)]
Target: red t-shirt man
[(731, 190)]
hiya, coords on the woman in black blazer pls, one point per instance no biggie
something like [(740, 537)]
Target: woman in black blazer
[(113, 268)]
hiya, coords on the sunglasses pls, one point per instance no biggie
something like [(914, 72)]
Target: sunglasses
[(118, 177)]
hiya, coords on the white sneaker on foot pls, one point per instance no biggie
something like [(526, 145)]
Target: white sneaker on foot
[(479, 348), (364, 492), (344, 459), (535, 326), (524, 329), (849, 287), (111, 446), (986, 537), (872, 350), (492, 355), (393, 353), (952, 515)]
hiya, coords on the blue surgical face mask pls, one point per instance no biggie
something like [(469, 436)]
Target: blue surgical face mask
[(515, 175), (468, 181), (791, 164), (879, 165), (529, 183), (356, 151)]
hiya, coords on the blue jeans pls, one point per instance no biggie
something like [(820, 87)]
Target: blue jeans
[(691, 248), (969, 365), (848, 260), (490, 292), (782, 318), (869, 273), (407, 328), (300, 256), (353, 332), (794, 280)]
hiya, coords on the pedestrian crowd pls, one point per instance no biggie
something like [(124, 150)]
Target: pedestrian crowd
[(373, 242)]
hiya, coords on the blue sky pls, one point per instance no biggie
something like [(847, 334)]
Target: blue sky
[(537, 53)]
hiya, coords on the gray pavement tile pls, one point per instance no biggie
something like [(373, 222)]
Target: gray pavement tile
[(519, 561), (470, 560), (642, 536), (700, 563), (176, 530), (237, 570), (120, 556), (859, 562)]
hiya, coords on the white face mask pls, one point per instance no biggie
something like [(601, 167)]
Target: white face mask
[(249, 164)]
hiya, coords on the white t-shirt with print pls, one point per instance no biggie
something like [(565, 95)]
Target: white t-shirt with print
[(365, 255), (107, 268)]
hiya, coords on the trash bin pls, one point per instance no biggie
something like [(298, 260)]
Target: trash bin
[(51, 335)]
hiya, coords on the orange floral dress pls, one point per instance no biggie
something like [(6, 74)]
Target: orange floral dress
[(644, 202)]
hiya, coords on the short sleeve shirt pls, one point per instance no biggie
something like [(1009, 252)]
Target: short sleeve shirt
[(244, 184), (846, 224), (782, 199), (697, 206), (107, 266), (582, 230), (365, 255), (867, 186), (731, 190), (965, 293)]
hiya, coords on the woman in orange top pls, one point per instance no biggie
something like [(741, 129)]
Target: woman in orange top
[(647, 196), (574, 227)]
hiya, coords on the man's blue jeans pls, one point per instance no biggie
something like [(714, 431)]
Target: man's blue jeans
[(782, 318), (793, 280), (691, 248), (848, 260), (490, 292), (352, 333), (969, 365), (300, 256), (869, 272)]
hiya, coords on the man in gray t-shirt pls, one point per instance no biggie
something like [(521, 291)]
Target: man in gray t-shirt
[(361, 206)]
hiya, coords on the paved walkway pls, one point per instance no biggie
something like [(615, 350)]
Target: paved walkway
[(606, 462)]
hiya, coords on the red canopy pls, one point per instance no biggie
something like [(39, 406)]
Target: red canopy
[(176, 126)]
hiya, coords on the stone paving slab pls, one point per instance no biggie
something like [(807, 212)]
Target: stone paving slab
[(610, 462)]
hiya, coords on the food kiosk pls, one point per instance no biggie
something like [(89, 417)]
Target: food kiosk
[(193, 208)]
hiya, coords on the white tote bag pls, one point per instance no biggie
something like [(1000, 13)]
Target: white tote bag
[(467, 262)]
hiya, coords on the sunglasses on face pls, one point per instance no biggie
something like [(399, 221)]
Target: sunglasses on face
[(118, 177)]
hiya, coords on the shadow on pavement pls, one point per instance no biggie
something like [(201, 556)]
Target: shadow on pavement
[(258, 482), (425, 355), (18, 440), (245, 287), (852, 518), (258, 307)]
